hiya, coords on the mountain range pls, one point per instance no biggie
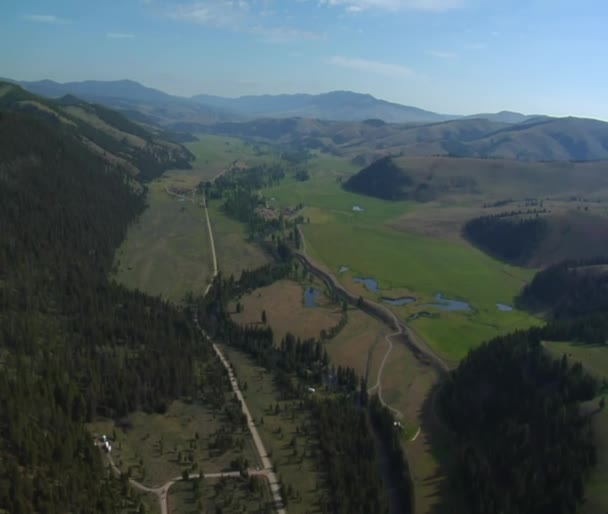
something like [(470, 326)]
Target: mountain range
[(164, 108), (354, 125)]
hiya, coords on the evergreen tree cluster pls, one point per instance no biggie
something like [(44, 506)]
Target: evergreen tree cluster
[(523, 444), (507, 236), (348, 459), (569, 289), (74, 345)]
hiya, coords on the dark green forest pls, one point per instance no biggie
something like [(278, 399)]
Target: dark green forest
[(511, 237), (382, 179), (72, 344), (523, 446), (568, 289)]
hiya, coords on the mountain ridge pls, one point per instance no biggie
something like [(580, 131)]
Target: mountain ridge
[(351, 106)]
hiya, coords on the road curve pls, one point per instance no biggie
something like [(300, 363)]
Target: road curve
[(162, 491)]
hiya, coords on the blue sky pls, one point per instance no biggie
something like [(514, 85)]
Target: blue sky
[(450, 56)]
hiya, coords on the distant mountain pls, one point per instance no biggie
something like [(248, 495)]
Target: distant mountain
[(503, 117), (336, 105), (162, 108), (355, 125), (133, 100), (122, 143)]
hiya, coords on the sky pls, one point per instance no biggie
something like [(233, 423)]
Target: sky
[(448, 56)]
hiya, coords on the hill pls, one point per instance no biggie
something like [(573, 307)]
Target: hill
[(382, 179), (536, 238), (121, 143)]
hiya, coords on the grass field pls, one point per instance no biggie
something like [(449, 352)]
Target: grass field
[(166, 251), (229, 496), (283, 302), (234, 252), (295, 465), (214, 153), (595, 360), (403, 262), (156, 448)]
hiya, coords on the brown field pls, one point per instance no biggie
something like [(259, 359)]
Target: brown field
[(360, 345), (283, 302)]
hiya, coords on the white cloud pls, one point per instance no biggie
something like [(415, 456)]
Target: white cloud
[(239, 16), (375, 67), (120, 35), (441, 54), (396, 5), (214, 13), (44, 18), (285, 34)]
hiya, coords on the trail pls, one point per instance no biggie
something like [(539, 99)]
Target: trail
[(378, 384)]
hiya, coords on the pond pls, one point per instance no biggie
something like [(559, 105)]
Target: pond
[(404, 300), (504, 308), (369, 283), (310, 297), (358, 208), (445, 304)]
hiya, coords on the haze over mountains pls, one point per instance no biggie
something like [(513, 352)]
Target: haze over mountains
[(334, 105), (350, 124)]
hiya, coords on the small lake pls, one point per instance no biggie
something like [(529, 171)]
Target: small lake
[(310, 297), (343, 269), (504, 308), (369, 283), (404, 300), (445, 304), (358, 208)]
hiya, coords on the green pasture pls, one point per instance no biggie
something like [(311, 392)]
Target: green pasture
[(167, 250), (213, 153), (403, 262)]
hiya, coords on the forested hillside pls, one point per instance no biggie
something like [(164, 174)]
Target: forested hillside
[(523, 445), (511, 237), (118, 141), (72, 344), (569, 289)]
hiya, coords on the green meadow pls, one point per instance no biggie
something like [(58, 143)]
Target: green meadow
[(405, 263)]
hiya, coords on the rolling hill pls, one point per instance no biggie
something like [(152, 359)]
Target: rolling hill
[(536, 139), (123, 144)]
